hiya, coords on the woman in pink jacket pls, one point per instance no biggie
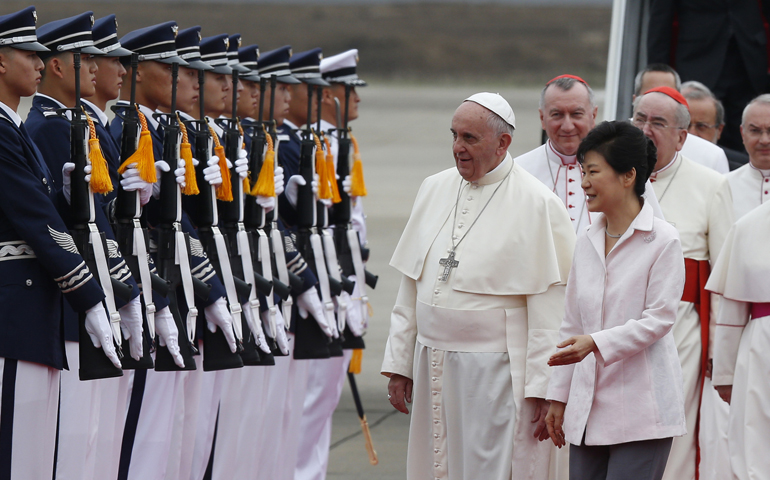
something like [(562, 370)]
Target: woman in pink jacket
[(616, 392)]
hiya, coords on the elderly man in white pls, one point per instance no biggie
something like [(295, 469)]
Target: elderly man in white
[(485, 258)]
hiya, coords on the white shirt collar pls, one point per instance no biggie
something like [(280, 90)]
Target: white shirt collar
[(217, 129), (15, 118), (290, 125), (148, 115), (98, 111)]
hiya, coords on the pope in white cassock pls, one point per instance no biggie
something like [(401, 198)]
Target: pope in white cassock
[(485, 258)]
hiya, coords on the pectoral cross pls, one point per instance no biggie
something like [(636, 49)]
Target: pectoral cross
[(448, 263)]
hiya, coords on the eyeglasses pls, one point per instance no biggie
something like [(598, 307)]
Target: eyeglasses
[(654, 124), (702, 127)]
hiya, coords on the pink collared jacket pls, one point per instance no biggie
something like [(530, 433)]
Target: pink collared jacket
[(630, 388)]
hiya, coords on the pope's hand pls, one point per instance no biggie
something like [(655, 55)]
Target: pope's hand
[(725, 392), (400, 392), (168, 334), (541, 410), (554, 420), (131, 325), (98, 328), (217, 315), (574, 350)]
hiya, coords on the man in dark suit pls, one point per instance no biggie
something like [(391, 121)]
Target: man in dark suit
[(722, 43)]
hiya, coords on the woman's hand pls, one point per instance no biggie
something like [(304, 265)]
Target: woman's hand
[(400, 392), (575, 349), (554, 420)]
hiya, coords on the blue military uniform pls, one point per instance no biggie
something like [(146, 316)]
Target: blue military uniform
[(39, 264)]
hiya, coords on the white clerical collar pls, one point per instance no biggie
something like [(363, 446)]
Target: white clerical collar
[(498, 173), (98, 111), (763, 172), (558, 157), (12, 115), (663, 172)]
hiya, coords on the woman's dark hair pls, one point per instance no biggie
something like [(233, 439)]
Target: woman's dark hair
[(624, 147)]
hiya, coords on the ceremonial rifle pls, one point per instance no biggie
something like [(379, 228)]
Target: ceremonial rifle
[(256, 222), (173, 243), (239, 242), (131, 237), (277, 243), (90, 243), (346, 238), (310, 341)]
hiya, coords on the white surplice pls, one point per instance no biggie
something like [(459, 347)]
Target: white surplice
[(696, 200), (750, 187), (742, 343), (477, 344), (563, 175)]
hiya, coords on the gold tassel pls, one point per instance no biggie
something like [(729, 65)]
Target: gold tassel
[(324, 192), (247, 180), (190, 180), (355, 361), (331, 172), (225, 190), (357, 187), (143, 157), (100, 174), (265, 185)]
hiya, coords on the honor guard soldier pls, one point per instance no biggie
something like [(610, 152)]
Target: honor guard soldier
[(40, 266), (289, 377), (147, 436), (79, 405)]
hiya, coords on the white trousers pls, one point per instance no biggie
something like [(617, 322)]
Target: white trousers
[(112, 419), (325, 379), (78, 421), (29, 403), (152, 426), (252, 435), (188, 393)]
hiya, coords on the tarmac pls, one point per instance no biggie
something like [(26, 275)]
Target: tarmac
[(404, 137)]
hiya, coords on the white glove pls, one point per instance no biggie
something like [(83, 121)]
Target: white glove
[(327, 202), (256, 328), (217, 315), (162, 166), (242, 164), (308, 301), (98, 328), (131, 325), (212, 173), (131, 182), (347, 184), (280, 326), (66, 178), (267, 203), (278, 179), (168, 334), (355, 321), (292, 187)]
